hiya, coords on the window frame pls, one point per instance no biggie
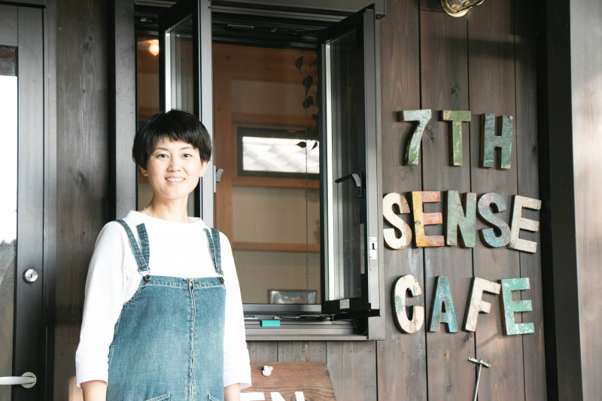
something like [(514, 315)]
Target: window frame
[(364, 327), (368, 304)]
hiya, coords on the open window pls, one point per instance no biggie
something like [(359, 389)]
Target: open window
[(290, 102), (185, 80), (349, 180)]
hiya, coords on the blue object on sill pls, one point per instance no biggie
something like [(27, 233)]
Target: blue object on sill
[(270, 323)]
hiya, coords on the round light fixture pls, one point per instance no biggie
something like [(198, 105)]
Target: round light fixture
[(153, 48)]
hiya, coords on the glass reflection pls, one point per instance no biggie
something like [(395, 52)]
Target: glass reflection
[(147, 88), (346, 75), (8, 208), (181, 64)]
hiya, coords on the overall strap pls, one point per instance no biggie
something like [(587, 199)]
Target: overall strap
[(142, 257), (213, 239)]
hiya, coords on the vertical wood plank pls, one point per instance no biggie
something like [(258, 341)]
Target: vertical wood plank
[(263, 351), (586, 62), (302, 351), (122, 108), (401, 357), (445, 87), (82, 171), (492, 90), (352, 367)]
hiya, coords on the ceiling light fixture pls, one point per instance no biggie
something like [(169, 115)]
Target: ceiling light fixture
[(459, 8), (153, 48)]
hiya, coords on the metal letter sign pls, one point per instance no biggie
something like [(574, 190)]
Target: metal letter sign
[(391, 238), (402, 286), (488, 235), (443, 297), (457, 219), (457, 118), (413, 149), (476, 304), (511, 307), (519, 222), (422, 219), (490, 141)]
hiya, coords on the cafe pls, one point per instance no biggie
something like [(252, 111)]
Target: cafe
[(410, 187)]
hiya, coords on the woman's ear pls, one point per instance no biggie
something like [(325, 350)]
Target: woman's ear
[(204, 165), (143, 171)]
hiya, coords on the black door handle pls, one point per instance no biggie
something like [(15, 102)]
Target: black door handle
[(356, 178)]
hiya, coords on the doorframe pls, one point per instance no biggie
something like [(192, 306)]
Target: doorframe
[(50, 192), (564, 376), (46, 346)]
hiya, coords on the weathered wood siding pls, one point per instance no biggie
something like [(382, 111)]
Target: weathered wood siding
[(82, 169), (586, 74), (483, 63)]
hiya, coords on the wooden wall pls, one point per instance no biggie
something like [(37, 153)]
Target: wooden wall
[(82, 169), (483, 63), (586, 60)]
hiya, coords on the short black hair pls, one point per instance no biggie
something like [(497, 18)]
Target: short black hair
[(177, 125)]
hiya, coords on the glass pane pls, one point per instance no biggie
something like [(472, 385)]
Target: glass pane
[(149, 104), (8, 208), (181, 66), (268, 199), (279, 155), (345, 88)]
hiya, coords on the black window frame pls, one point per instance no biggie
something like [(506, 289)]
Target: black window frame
[(368, 304)]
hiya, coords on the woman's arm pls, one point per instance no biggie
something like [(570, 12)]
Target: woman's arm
[(96, 390), (102, 305), (237, 369), (231, 393)]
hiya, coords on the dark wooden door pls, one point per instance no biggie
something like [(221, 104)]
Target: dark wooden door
[(22, 335)]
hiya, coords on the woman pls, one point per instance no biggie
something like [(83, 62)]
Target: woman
[(163, 314)]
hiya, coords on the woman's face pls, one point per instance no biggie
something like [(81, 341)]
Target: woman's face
[(173, 169)]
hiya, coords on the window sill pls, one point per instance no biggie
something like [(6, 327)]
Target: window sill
[(351, 337)]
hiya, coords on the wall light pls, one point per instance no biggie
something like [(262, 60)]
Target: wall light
[(459, 8), (154, 47)]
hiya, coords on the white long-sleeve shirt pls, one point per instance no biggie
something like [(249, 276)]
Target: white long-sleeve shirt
[(176, 249)]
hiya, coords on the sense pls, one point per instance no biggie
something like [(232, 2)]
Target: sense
[(461, 220)]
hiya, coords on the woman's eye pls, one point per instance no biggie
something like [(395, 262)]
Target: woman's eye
[(161, 155)]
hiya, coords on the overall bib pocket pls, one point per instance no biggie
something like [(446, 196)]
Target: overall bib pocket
[(211, 398)]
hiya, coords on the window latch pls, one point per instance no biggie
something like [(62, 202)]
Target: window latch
[(356, 178), (372, 248), (217, 176)]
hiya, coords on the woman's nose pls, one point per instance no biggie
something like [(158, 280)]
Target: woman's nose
[(174, 165)]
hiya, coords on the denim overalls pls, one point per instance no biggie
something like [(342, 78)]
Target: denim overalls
[(169, 338)]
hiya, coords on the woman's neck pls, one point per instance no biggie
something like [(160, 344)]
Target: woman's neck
[(176, 210)]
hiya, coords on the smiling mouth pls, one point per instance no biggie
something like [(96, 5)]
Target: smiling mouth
[(175, 180)]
